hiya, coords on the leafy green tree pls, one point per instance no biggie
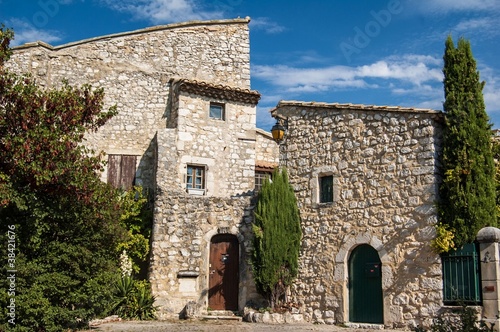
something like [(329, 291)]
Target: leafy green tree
[(66, 224), (137, 219), (277, 238), (467, 192)]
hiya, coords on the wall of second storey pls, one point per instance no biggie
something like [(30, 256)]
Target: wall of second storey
[(134, 69), (225, 146)]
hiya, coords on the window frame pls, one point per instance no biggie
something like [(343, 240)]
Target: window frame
[(269, 173), (192, 186), (325, 198), (222, 107)]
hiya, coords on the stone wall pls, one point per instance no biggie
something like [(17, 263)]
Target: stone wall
[(383, 162), (182, 232), (267, 151), (134, 68), (162, 81), (226, 146)]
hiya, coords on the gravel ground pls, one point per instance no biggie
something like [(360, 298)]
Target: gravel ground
[(218, 326)]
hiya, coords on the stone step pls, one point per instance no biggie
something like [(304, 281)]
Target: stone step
[(221, 313), (214, 317), (365, 326)]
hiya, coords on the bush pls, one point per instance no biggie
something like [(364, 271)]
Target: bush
[(133, 299)]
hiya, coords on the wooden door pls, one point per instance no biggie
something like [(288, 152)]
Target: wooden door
[(365, 286), (223, 273)]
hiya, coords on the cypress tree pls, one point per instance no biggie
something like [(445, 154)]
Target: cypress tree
[(467, 192), (277, 238)]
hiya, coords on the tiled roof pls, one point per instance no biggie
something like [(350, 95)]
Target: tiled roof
[(217, 91), (304, 104), (265, 164)]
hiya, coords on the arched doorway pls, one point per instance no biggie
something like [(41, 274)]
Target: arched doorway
[(223, 285), (365, 286)]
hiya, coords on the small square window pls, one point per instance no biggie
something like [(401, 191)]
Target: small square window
[(260, 177), (217, 111), (326, 189), (195, 178)]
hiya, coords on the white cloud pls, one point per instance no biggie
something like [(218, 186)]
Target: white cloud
[(449, 6), (410, 70), (415, 73), (473, 24), (491, 91), (484, 27), (434, 104), (24, 32), (264, 23), (163, 11)]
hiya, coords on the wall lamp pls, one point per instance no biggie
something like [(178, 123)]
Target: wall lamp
[(278, 132)]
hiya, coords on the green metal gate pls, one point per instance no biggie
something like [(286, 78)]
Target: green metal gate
[(365, 286), (461, 276)]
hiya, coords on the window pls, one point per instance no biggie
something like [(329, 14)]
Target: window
[(260, 176), (217, 111), (121, 170), (195, 178), (326, 189)]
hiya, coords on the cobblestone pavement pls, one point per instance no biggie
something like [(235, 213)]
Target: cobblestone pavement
[(219, 326)]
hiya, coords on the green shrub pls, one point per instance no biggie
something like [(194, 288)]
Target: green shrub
[(443, 242), (133, 299)]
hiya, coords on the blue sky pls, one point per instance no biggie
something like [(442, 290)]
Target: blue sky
[(382, 52)]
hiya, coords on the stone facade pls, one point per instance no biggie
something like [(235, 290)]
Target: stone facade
[(383, 163), (135, 68), (163, 81), (266, 149)]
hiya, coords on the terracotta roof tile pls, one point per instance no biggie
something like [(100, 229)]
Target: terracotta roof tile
[(217, 91), (313, 104), (265, 164)]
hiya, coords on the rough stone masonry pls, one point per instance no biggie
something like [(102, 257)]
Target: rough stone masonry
[(384, 166), (382, 161)]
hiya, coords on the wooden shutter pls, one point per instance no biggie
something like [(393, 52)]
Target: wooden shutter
[(121, 171), (114, 162), (128, 172)]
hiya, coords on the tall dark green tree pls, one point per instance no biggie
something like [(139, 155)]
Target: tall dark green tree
[(277, 238), (467, 193)]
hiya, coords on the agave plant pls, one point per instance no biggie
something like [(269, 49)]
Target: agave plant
[(133, 300)]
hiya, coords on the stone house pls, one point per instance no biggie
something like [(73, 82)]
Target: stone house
[(366, 179), (365, 176), (186, 131), (366, 182)]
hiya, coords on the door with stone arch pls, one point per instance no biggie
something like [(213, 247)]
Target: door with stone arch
[(223, 285), (366, 303)]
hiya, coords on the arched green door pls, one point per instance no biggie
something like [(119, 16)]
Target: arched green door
[(365, 286)]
